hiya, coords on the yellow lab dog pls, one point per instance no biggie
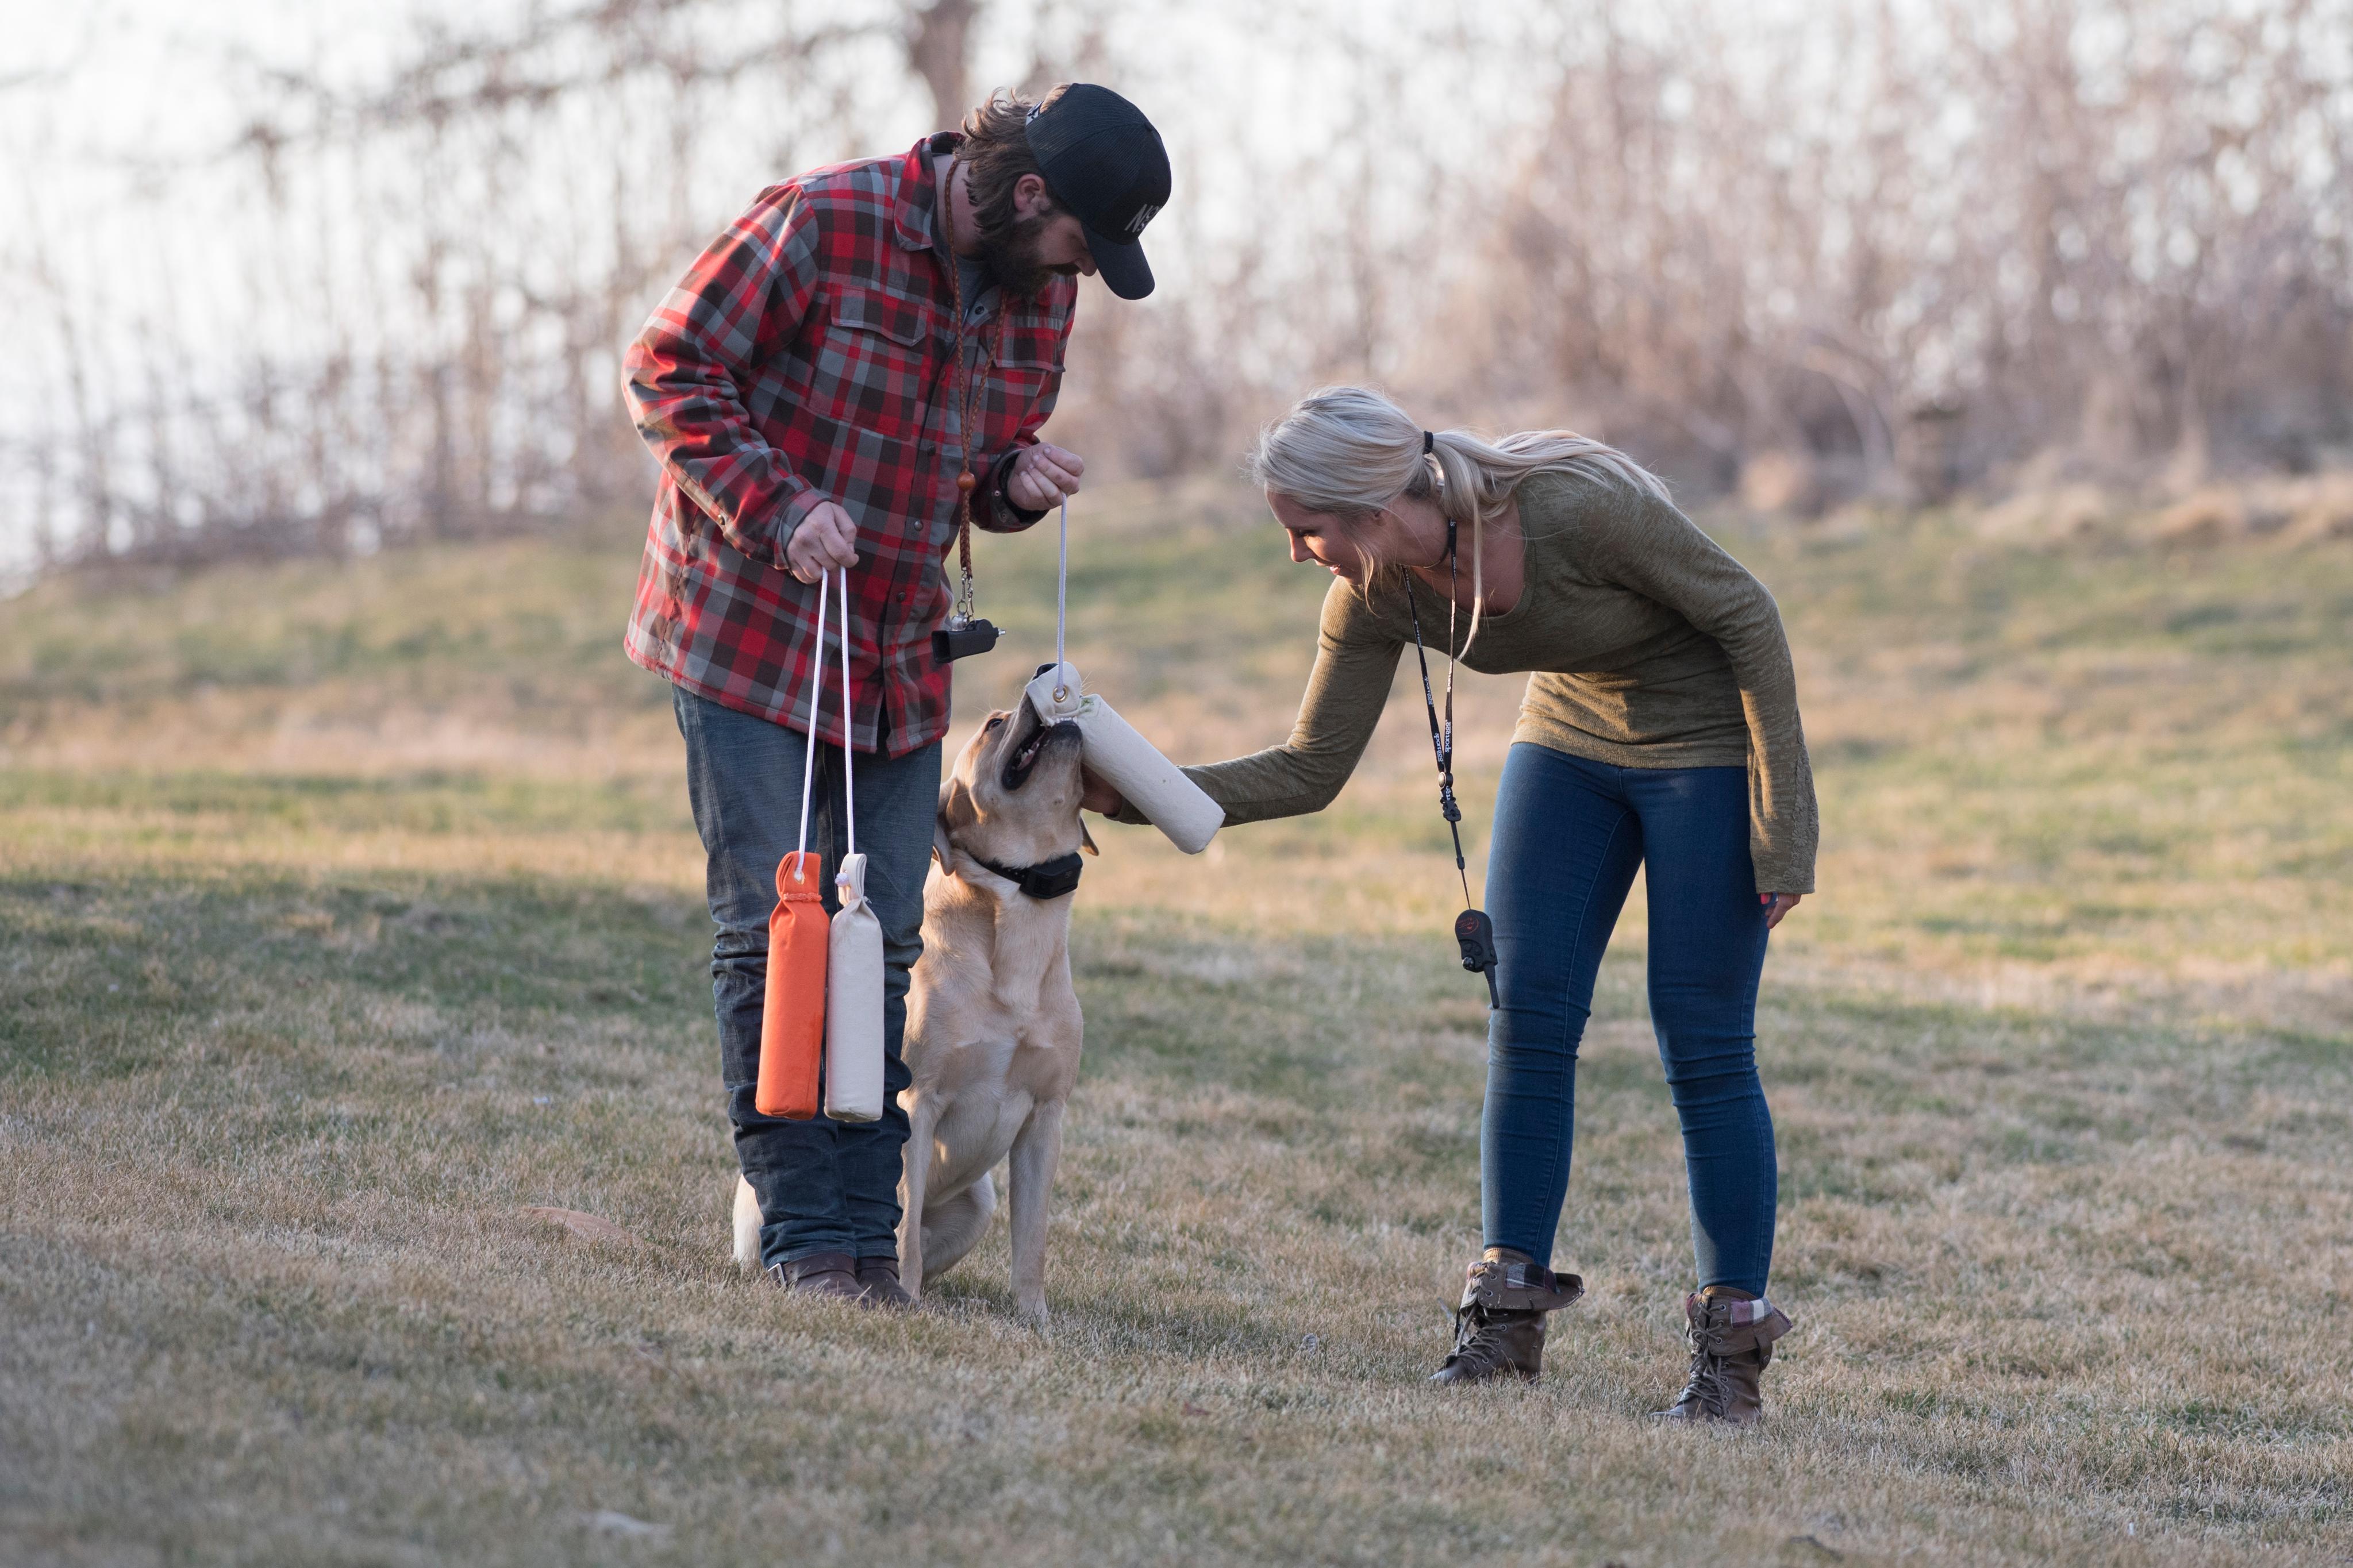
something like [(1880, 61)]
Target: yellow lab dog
[(993, 1026)]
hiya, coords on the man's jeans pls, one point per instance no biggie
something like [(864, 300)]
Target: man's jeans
[(824, 1186), (1569, 836)]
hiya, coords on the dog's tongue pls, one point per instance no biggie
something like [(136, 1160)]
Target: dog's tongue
[(1054, 693)]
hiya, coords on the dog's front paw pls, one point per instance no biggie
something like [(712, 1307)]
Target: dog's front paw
[(1032, 1312)]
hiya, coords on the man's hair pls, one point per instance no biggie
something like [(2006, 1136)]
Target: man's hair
[(996, 154)]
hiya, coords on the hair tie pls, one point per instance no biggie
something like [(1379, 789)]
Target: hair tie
[(1429, 441)]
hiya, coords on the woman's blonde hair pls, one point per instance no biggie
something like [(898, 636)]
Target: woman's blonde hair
[(1350, 451)]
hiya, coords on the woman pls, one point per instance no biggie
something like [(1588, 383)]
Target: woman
[(1660, 728)]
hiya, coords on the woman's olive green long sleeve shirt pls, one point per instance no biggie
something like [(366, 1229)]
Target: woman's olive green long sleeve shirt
[(1649, 646)]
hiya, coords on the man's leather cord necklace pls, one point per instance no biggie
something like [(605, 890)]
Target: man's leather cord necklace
[(967, 402)]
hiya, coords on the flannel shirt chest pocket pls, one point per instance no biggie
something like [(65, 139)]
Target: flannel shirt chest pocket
[(1024, 367), (874, 366)]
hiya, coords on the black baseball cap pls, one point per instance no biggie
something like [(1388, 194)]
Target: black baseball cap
[(1103, 160)]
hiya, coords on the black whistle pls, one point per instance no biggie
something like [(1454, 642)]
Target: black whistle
[(1475, 934), (955, 641)]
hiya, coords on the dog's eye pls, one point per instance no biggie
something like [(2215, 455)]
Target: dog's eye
[(993, 723)]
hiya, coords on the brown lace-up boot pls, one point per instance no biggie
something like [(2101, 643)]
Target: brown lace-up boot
[(878, 1284), (818, 1274), (1500, 1326), (1731, 1343)]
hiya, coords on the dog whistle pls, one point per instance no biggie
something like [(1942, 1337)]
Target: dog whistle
[(792, 1013), (961, 638), (1475, 934)]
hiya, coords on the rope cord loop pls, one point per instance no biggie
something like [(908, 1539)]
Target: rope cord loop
[(849, 802), (816, 687), (1062, 597)]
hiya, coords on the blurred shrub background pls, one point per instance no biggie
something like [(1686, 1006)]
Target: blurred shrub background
[(318, 278)]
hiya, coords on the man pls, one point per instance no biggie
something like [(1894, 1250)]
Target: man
[(807, 388)]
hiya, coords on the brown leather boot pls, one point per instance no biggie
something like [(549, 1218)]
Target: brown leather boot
[(878, 1284), (1731, 1345), (1500, 1326), (818, 1274)]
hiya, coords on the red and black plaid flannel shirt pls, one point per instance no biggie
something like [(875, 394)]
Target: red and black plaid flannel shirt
[(807, 356)]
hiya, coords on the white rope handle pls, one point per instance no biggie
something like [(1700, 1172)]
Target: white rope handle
[(1061, 600), (816, 685), (849, 804)]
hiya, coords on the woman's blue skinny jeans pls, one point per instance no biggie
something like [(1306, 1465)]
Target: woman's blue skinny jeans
[(1568, 834)]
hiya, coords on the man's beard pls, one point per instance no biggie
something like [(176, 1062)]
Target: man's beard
[(1011, 259)]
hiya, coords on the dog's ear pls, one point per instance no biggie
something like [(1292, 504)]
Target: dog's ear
[(956, 813), (1086, 840)]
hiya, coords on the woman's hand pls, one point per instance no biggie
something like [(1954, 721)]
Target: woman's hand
[(1776, 905), (1095, 794)]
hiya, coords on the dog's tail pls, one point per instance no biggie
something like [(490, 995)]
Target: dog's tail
[(747, 1225)]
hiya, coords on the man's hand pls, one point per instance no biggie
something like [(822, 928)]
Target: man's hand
[(1042, 476), (1776, 905), (824, 539), (1095, 794)]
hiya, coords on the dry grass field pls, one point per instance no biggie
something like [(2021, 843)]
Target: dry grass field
[(346, 913)]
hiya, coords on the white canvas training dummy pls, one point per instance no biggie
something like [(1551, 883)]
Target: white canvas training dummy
[(853, 1019), (853, 975), (1110, 745)]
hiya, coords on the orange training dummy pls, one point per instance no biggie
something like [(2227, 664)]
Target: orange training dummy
[(792, 1019), (792, 1014)]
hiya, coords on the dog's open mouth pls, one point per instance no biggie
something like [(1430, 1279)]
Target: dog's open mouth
[(1032, 737)]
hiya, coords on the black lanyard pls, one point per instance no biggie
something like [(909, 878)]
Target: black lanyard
[(1474, 931)]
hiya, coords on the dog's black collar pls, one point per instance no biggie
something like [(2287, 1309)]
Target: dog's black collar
[(1046, 879)]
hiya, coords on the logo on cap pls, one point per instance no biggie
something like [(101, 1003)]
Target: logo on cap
[(1144, 216)]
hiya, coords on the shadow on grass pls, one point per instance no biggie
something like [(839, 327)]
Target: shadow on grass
[(1104, 1321)]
